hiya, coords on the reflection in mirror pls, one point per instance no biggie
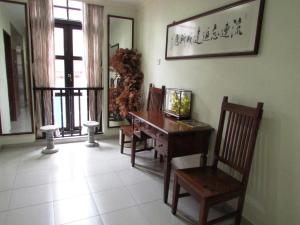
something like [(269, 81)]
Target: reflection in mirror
[(15, 88), (120, 35)]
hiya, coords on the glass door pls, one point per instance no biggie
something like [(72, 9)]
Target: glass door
[(68, 63)]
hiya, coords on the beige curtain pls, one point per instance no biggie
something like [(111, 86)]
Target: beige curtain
[(93, 39), (42, 25)]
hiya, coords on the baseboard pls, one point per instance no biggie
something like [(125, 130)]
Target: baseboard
[(66, 140)]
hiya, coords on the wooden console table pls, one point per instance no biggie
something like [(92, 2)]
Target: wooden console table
[(172, 139)]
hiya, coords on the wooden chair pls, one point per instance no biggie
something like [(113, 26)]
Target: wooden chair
[(154, 103), (234, 148)]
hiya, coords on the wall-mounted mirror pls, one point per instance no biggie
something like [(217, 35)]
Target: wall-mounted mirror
[(120, 35), (15, 87)]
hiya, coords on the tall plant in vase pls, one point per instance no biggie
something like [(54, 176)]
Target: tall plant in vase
[(127, 63)]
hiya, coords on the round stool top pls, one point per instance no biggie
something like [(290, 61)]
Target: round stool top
[(91, 124), (49, 128)]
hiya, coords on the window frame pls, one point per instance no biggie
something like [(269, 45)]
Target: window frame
[(67, 8)]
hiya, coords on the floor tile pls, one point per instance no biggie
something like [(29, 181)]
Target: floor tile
[(133, 176), (27, 179), (31, 196), (91, 221), (35, 215), (146, 191), (69, 188), (70, 172), (2, 217), (94, 168), (127, 216), (120, 164), (189, 207), (104, 181), (7, 181), (111, 200), (159, 213), (37, 162), (4, 200), (74, 209), (8, 167)]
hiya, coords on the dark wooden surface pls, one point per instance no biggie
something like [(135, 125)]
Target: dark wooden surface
[(234, 147), (172, 139), (155, 103), (155, 98), (166, 125)]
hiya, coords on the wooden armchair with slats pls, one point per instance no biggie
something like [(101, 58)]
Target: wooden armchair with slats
[(235, 143)]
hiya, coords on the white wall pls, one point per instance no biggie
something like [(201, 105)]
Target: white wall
[(4, 100), (271, 77)]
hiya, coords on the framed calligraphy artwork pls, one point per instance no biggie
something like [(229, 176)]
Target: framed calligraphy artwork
[(227, 31)]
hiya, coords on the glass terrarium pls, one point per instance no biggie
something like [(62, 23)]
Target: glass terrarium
[(178, 103)]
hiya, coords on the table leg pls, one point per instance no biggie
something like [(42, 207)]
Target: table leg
[(203, 160), (167, 177), (133, 146)]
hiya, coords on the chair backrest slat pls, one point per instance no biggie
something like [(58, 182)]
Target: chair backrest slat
[(155, 98), (236, 135)]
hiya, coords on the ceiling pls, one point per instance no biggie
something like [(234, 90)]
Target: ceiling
[(128, 2), (136, 2)]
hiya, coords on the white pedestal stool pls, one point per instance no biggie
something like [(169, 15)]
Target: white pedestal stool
[(49, 130), (91, 133)]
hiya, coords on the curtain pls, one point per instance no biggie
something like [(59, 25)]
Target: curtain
[(42, 25), (93, 40)]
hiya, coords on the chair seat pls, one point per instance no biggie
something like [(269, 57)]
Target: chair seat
[(208, 182)]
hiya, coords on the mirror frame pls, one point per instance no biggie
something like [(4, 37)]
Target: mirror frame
[(28, 48), (108, 50)]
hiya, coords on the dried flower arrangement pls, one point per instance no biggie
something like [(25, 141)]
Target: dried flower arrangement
[(127, 63)]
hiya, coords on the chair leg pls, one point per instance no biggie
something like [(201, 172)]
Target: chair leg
[(175, 195), (203, 213), (161, 158), (145, 144), (240, 206), (122, 141), (133, 146), (155, 154)]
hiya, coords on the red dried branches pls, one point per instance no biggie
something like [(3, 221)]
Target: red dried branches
[(127, 63)]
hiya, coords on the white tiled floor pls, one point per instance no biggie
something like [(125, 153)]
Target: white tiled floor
[(84, 186)]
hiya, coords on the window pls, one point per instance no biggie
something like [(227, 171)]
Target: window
[(68, 43), (67, 10), (69, 66)]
